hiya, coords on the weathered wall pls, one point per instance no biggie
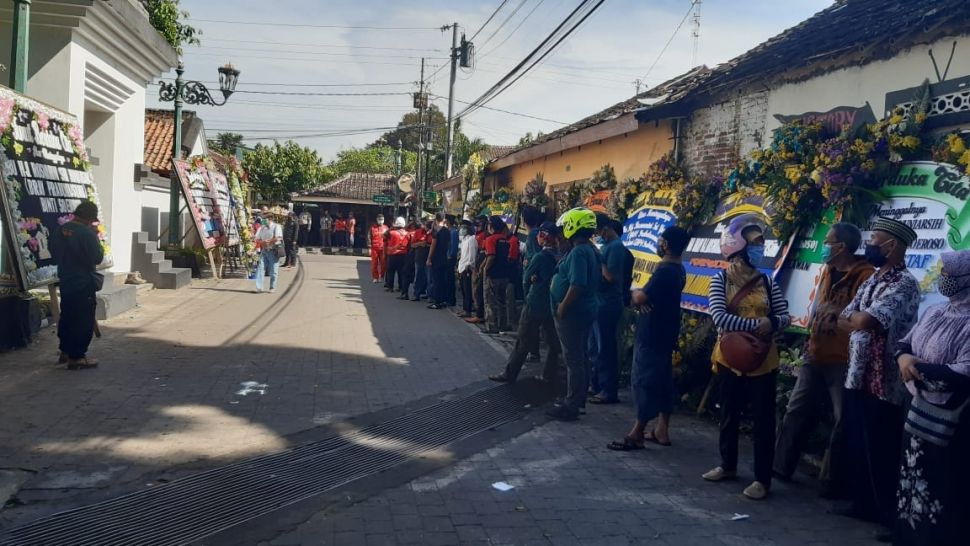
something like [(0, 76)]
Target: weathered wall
[(630, 154), (717, 135)]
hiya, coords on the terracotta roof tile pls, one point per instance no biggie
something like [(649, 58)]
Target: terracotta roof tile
[(159, 132), (362, 186)]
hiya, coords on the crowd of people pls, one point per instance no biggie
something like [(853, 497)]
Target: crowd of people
[(897, 385)]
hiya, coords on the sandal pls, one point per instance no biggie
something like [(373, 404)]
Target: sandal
[(652, 437), (627, 444), (599, 399)]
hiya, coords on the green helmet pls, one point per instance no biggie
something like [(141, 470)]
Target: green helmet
[(576, 219)]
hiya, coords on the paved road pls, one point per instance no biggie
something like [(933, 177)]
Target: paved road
[(328, 347)]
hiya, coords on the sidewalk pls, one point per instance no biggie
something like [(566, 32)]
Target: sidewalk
[(170, 396)]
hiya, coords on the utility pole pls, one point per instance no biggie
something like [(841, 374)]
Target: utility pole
[(449, 143), (696, 32), (21, 43), (174, 194), (638, 83), (422, 103)]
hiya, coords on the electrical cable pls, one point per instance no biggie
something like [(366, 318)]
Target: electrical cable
[(351, 27), (325, 53), (309, 94), (672, 36), (489, 20), (514, 30), (508, 112), (306, 44), (274, 84), (505, 22)]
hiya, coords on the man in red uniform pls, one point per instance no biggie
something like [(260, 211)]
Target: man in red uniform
[(378, 261), (398, 243), (340, 230)]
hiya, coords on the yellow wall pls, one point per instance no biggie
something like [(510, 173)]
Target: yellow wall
[(630, 154)]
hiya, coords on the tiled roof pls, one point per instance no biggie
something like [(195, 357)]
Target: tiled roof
[(159, 133), (488, 154), (667, 91), (846, 34), (361, 186)]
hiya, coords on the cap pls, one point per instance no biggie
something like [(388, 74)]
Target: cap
[(895, 228)]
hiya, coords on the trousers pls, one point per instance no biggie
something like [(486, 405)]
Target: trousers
[(736, 392), (873, 431), (574, 339), (531, 323), (76, 326), (496, 314), (467, 304), (325, 238), (439, 288), (396, 266), (605, 375), (378, 263)]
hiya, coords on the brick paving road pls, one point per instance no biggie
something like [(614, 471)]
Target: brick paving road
[(326, 345)]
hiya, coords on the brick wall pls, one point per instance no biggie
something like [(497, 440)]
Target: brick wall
[(717, 135)]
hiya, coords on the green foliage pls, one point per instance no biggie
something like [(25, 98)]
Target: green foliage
[(168, 20), (529, 138), (409, 135), (375, 159), (226, 143), (278, 170)]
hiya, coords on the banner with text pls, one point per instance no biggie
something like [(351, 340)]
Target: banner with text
[(45, 176), (203, 202), (642, 231)]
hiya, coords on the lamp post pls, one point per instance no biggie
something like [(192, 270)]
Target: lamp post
[(191, 92)]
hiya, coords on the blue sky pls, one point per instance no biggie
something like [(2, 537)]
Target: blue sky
[(595, 68)]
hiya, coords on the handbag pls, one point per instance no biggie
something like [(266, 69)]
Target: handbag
[(280, 251), (932, 423), (744, 351)]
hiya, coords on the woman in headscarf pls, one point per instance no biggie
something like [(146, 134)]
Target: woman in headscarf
[(748, 305), (934, 360)]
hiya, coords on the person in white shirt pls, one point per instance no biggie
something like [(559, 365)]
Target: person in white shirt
[(269, 238), (306, 222), (467, 251)]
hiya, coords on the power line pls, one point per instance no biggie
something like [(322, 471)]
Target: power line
[(295, 59), (314, 94), (304, 25), (672, 36), (489, 20), (307, 44), (508, 112), (514, 30), (325, 53), (505, 22), (276, 84)]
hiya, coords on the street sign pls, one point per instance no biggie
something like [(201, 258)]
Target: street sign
[(382, 199), (430, 195)]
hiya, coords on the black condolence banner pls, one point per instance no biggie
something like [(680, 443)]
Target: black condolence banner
[(45, 175)]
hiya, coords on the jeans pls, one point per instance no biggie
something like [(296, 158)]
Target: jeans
[(325, 240), (736, 391), (268, 264), (466, 292), (802, 414), (76, 325), (574, 338), (302, 236), (531, 323), (496, 318), (396, 266), (439, 287), (452, 290), (511, 311), (604, 354), (408, 277), (421, 272)]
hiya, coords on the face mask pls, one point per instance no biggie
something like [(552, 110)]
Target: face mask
[(380, 221), (756, 254), (597, 240), (827, 254), (463, 232), (874, 255), (949, 286)]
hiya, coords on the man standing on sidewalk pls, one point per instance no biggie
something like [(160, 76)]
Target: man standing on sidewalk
[(351, 229), (78, 253), (438, 263), (573, 295), (375, 239), (478, 280), (306, 221), (467, 252), (617, 263), (882, 312), (397, 255), (496, 270), (827, 360), (326, 230), (537, 313)]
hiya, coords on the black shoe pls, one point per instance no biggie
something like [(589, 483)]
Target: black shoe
[(436, 306), (501, 378), (403, 297), (563, 413)]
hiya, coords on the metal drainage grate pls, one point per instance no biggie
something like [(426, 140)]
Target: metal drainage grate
[(192, 508)]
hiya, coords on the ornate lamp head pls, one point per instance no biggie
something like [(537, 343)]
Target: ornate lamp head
[(228, 76)]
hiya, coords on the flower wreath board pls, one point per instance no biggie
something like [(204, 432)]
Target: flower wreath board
[(46, 174), (203, 202)]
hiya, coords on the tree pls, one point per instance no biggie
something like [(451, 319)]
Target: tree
[(226, 143), (168, 20), (373, 159), (281, 169)]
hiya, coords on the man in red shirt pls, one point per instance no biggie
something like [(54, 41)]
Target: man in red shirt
[(378, 261), (501, 252), (398, 243), (340, 230)]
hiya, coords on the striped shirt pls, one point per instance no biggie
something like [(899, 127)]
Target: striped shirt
[(727, 322)]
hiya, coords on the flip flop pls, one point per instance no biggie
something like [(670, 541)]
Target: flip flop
[(627, 444), (651, 437)]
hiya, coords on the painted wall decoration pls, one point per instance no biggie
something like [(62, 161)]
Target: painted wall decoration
[(703, 259), (45, 174), (642, 230), (203, 202), (930, 197)]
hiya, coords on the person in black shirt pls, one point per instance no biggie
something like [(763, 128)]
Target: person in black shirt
[(438, 263), (658, 327)]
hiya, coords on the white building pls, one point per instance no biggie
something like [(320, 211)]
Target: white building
[(95, 59)]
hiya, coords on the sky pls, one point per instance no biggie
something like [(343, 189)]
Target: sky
[(292, 46)]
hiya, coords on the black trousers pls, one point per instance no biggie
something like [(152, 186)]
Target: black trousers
[(304, 231), (395, 266), (873, 433), (76, 326), (408, 273), (452, 295), (736, 392), (439, 288), (467, 302), (290, 247), (531, 323)]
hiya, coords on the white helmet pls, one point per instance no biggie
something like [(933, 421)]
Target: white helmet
[(399, 222)]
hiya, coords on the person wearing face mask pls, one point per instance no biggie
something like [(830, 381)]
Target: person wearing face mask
[(657, 331), (375, 240), (882, 312), (827, 359), (743, 299), (934, 361), (467, 253)]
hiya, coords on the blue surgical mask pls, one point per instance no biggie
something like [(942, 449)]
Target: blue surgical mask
[(756, 254), (597, 240)]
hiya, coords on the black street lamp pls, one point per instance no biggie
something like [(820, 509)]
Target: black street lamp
[(191, 92)]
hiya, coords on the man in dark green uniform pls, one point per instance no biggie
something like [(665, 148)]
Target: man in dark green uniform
[(78, 252)]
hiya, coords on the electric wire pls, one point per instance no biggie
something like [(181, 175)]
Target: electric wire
[(514, 30), (489, 20), (672, 36), (305, 25), (505, 22), (308, 44)]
